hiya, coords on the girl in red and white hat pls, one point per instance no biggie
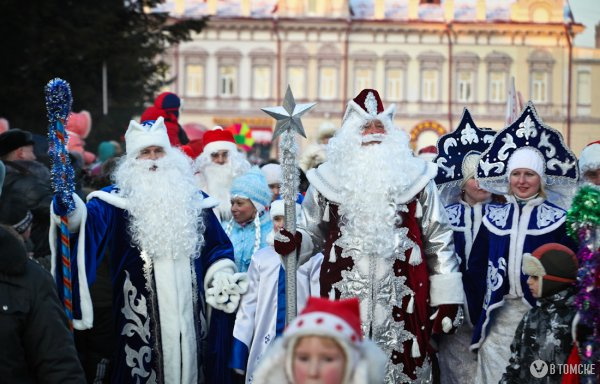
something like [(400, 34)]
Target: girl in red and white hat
[(325, 344)]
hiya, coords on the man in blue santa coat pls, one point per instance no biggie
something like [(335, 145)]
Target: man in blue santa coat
[(168, 258)]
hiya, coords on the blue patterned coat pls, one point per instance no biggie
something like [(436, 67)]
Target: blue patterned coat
[(508, 231), (145, 334)]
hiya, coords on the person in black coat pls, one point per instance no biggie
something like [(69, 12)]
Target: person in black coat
[(37, 345), (29, 181)]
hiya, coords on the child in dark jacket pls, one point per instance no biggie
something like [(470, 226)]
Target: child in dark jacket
[(545, 331)]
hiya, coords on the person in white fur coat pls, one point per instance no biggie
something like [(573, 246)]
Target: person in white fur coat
[(260, 318), (323, 344)]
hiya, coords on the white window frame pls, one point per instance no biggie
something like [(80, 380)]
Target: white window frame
[(194, 84), (227, 81)]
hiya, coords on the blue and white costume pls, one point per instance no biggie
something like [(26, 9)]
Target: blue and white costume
[(261, 315), (514, 228), (458, 154), (164, 331)]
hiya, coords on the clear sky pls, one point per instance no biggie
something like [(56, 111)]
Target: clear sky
[(586, 12)]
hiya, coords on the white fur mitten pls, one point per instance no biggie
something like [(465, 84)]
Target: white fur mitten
[(225, 290)]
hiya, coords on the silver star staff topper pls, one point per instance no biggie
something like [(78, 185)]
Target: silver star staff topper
[(288, 115), (288, 120)]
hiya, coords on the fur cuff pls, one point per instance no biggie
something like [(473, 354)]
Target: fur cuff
[(74, 217), (221, 265), (446, 288)]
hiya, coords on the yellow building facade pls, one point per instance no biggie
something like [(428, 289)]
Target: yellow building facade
[(430, 58)]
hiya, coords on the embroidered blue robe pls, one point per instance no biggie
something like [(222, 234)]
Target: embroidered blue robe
[(465, 221), (495, 263), (138, 357)]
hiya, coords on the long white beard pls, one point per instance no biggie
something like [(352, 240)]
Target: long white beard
[(218, 178), (215, 179), (371, 178), (164, 205)]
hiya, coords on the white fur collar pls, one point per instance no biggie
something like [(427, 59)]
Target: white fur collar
[(114, 198), (325, 180)]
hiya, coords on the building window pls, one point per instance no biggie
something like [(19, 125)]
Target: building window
[(394, 84), (429, 85), (297, 81), (327, 83), (262, 82), (194, 85), (541, 64), (363, 78), (311, 7), (498, 70), (497, 87), (227, 81), (539, 87), (584, 88), (465, 86)]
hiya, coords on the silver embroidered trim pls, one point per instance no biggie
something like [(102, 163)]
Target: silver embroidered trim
[(136, 313), (494, 280), (380, 294), (487, 166), (509, 144), (424, 373), (371, 104), (527, 128), (450, 142), (498, 214), (469, 135), (449, 170), (548, 215), (453, 215)]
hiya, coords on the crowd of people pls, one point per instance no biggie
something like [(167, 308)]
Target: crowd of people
[(467, 266)]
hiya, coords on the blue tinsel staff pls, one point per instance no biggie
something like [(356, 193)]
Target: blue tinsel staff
[(58, 105)]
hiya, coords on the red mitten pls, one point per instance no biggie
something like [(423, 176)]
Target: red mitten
[(447, 318), (286, 242)]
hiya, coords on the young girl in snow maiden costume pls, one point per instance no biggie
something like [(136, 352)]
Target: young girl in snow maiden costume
[(261, 316), (251, 223), (458, 155), (529, 162)]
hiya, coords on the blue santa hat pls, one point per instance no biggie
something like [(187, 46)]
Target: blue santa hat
[(252, 185)]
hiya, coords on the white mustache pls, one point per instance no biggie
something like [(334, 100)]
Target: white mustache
[(373, 137)]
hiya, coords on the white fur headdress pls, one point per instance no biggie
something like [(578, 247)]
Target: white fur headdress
[(365, 107), (590, 157), (150, 133)]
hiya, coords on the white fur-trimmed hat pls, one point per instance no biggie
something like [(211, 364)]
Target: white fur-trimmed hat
[(252, 185), (150, 133), (218, 139), (272, 173), (337, 320), (527, 157), (365, 107), (590, 157), (278, 209)]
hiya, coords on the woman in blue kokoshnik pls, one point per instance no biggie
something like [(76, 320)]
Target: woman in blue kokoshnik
[(529, 163)]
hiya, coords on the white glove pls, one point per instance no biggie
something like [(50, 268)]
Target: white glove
[(225, 290)]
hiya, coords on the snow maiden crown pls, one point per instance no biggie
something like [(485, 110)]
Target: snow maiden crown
[(458, 154), (529, 138), (365, 107)]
